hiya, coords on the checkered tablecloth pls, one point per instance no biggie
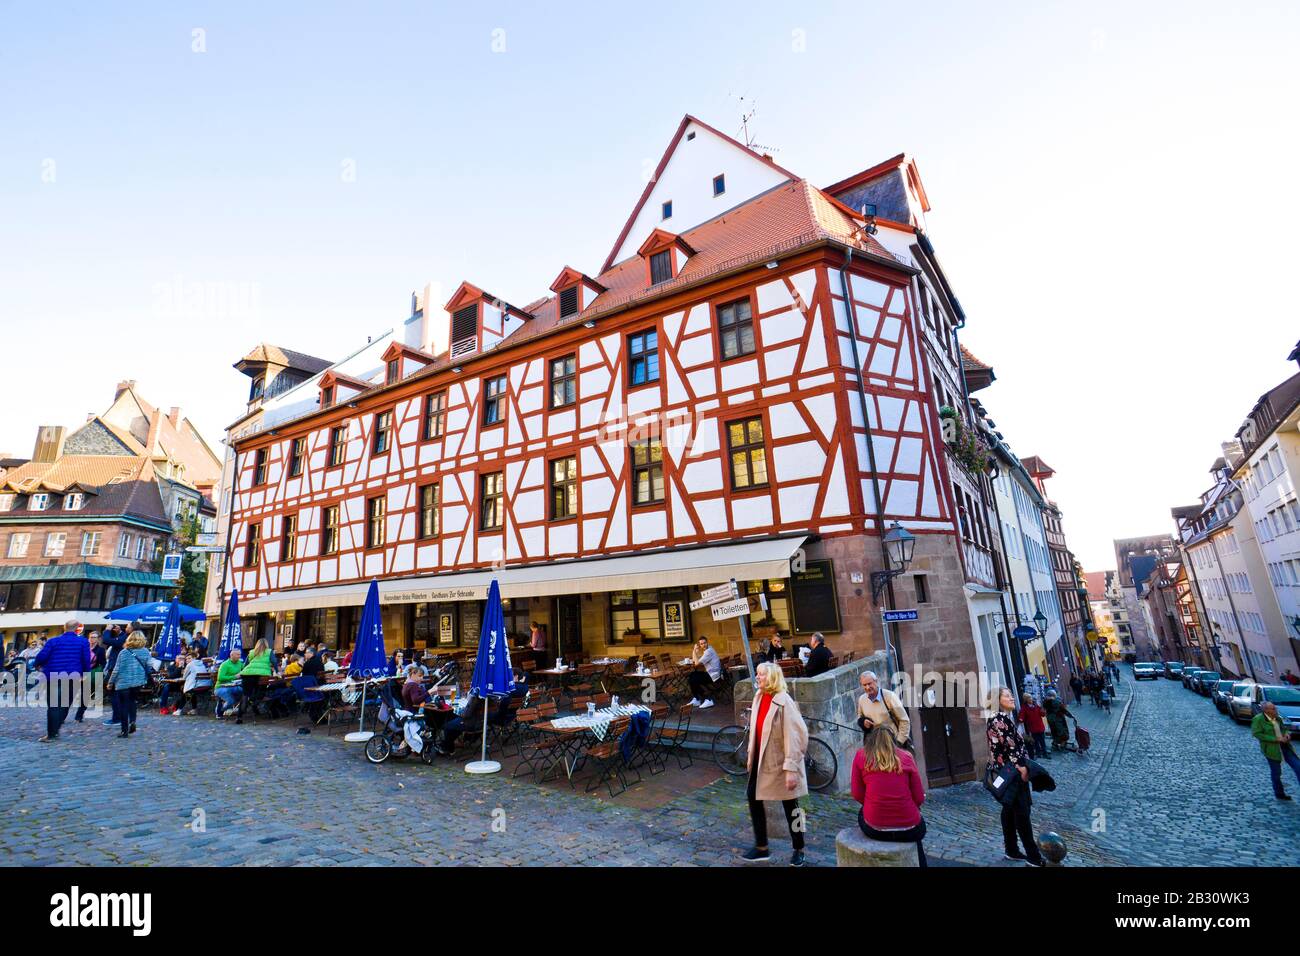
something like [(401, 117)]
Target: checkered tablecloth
[(598, 723)]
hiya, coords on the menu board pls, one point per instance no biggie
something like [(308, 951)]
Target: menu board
[(812, 596), (471, 616)]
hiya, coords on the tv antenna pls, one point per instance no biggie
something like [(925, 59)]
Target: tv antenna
[(746, 118)]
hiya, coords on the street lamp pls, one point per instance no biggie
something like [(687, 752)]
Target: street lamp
[(899, 546), (1040, 624)]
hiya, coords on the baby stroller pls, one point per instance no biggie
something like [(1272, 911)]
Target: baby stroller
[(398, 733), (1082, 739)]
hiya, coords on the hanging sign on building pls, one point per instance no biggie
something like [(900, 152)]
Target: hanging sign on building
[(171, 569), (674, 621)]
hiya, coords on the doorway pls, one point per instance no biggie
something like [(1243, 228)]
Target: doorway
[(945, 735), (568, 625)]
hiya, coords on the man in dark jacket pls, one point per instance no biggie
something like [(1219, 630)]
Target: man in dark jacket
[(819, 658), (63, 660), (113, 640)]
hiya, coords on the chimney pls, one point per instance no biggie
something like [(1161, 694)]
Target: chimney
[(122, 386), (174, 416), (49, 443), (151, 441), (429, 327)]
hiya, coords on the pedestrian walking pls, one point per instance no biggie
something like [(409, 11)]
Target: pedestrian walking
[(92, 682), (778, 741), (1076, 685), (888, 785), (1275, 743), (1033, 717), (62, 660), (113, 639), (130, 673), (1006, 746)]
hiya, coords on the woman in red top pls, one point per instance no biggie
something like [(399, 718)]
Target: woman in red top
[(887, 784), (1031, 715)]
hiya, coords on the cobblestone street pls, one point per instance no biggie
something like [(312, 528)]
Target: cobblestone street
[(268, 796)]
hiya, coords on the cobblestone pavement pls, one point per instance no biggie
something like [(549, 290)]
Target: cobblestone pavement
[(1177, 782)]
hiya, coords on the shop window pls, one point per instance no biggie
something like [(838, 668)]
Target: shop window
[(777, 593), (633, 613)]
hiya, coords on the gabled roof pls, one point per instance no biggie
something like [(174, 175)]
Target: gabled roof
[(567, 277), (662, 239), (687, 120), (335, 377), (467, 292), (1037, 467), (903, 160), (397, 348)]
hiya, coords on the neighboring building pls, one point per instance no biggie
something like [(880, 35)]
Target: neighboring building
[(1226, 574), (750, 387), (1070, 605), (85, 521), (1267, 469), (1135, 558)]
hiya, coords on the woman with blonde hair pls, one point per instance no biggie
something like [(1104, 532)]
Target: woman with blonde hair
[(888, 785), (778, 740), (129, 673), (256, 671)]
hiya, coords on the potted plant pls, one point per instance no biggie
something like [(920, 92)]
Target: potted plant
[(765, 629), (632, 635)]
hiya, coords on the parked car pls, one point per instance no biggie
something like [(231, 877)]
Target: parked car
[(1146, 671), (1187, 675), (1287, 699), (1220, 692), (1204, 681), (1241, 701), (1174, 670)]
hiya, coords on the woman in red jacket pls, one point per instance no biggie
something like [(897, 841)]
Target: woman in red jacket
[(887, 784)]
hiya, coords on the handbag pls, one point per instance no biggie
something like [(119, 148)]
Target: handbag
[(906, 744), (1002, 782)]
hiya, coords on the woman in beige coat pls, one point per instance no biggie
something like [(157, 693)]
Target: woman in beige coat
[(778, 740)]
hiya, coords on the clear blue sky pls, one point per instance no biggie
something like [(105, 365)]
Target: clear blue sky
[(1113, 185)]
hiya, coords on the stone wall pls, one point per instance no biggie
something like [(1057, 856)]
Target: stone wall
[(832, 696)]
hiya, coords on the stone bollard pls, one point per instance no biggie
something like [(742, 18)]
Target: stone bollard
[(852, 848)]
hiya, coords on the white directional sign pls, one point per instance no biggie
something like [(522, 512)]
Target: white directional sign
[(723, 592), (724, 612)]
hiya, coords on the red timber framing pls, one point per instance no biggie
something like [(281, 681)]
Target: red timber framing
[(799, 381)]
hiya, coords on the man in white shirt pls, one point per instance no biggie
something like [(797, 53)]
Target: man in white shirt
[(197, 677), (708, 671)]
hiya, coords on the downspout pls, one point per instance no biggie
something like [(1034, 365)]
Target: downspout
[(871, 448)]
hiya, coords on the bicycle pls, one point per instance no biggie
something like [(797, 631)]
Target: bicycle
[(731, 753)]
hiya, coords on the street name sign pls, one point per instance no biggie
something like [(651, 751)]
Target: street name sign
[(907, 614), (723, 592)]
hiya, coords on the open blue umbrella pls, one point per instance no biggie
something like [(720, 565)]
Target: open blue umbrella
[(154, 612), (369, 659), (168, 644), (232, 632), (493, 676)]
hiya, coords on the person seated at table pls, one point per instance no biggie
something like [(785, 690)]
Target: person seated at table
[(775, 650), (292, 667), (397, 663), (198, 677), (172, 672), (279, 701), (229, 688), (313, 665), (345, 659), (708, 670), (819, 657), (413, 693), (453, 728), (328, 664)]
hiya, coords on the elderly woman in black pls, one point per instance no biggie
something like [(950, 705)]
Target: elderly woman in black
[(1007, 746)]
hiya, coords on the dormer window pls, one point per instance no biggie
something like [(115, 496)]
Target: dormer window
[(569, 301), (661, 267), (719, 184), (256, 390), (394, 371), (665, 255), (667, 209), (327, 396), (73, 502), (38, 502)]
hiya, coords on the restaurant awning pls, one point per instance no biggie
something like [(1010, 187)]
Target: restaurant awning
[(676, 567)]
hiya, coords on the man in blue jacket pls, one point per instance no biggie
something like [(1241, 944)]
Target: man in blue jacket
[(62, 660)]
